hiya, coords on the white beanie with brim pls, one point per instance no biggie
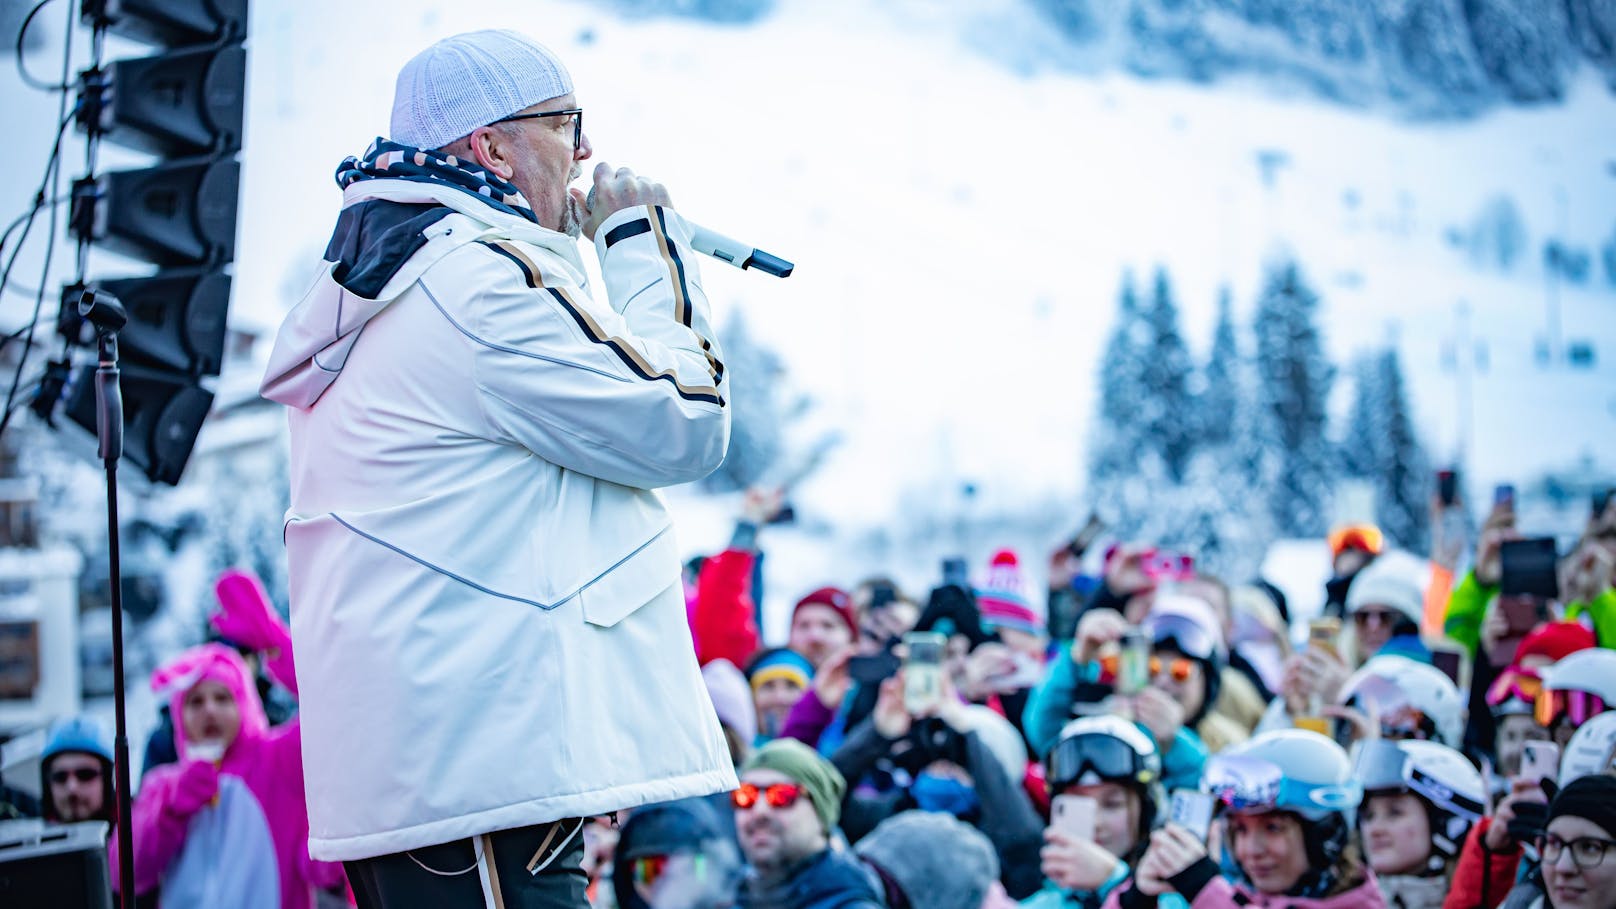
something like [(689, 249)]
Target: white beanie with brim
[(471, 80)]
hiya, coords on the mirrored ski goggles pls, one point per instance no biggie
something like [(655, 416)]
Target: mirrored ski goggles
[(1250, 785), (1365, 537), (1181, 633), (1516, 684), (1376, 692), (1577, 706), (1089, 759), (649, 869)]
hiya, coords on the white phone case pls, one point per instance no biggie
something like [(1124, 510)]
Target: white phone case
[(1074, 814)]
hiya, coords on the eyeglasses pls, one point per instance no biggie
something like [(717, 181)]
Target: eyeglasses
[(778, 795), (1179, 668), (82, 774), (577, 113), (1586, 851)]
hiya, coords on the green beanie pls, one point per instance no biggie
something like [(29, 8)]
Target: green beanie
[(820, 778)]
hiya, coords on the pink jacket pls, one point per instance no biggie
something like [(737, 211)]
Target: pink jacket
[(267, 760), (1219, 893)]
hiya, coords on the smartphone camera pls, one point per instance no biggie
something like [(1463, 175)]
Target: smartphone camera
[(923, 671), (1447, 487)]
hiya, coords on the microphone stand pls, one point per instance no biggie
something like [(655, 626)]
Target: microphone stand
[(108, 316)]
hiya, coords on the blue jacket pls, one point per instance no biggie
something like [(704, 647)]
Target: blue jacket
[(1050, 707), (829, 880), (1056, 897)]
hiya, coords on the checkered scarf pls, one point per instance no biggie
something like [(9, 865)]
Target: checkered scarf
[(390, 160)]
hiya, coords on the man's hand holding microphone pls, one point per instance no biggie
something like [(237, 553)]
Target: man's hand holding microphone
[(613, 191)]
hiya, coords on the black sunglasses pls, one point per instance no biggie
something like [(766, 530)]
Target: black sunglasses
[(577, 113), (82, 774)]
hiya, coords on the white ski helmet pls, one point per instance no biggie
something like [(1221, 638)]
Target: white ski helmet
[(1579, 687), (1592, 749), (1592, 670), (1442, 778), (1108, 749), (1405, 691), (1295, 771)]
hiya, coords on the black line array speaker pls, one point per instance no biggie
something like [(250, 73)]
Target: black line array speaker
[(54, 866)]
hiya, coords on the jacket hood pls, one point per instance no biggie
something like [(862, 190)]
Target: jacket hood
[(211, 663), (388, 234)]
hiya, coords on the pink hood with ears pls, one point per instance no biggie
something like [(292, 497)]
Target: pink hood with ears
[(211, 663)]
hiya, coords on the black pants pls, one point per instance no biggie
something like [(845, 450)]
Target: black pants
[(537, 867)]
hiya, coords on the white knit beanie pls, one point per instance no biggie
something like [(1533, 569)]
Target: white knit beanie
[(471, 80)]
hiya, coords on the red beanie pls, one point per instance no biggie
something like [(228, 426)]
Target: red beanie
[(835, 599), (1555, 640)]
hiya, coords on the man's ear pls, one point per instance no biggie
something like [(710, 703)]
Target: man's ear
[(491, 149)]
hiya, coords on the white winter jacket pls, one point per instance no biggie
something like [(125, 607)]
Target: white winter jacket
[(486, 607)]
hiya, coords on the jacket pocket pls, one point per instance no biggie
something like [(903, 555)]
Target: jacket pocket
[(632, 582)]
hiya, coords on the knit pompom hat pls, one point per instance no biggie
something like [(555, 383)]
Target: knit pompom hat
[(1002, 598)]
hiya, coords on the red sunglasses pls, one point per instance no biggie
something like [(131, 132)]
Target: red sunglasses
[(778, 795)]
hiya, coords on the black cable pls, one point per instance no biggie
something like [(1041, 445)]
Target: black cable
[(51, 166), (54, 179), (5, 238), (22, 67)]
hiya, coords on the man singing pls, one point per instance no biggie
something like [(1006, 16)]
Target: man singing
[(486, 605)]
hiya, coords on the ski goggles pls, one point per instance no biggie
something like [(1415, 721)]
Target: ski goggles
[(1363, 537), (1249, 785), (1178, 668), (1090, 759), (1181, 633), (1399, 719), (1516, 684), (1382, 766), (1405, 722), (778, 795), (1577, 706), (648, 869)]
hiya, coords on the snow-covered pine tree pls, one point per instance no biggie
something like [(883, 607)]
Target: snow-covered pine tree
[(1381, 445), (1593, 30), (1220, 395), (1294, 380), (1116, 437), (1359, 449), (1402, 487), (1427, 57), (1525, 46), (1219, 513), (757, 424), (1168, 415)]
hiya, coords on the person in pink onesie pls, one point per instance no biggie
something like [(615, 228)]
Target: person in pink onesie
[(227, 825)]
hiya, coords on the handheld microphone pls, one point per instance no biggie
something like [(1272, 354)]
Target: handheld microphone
[(725, 249)]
